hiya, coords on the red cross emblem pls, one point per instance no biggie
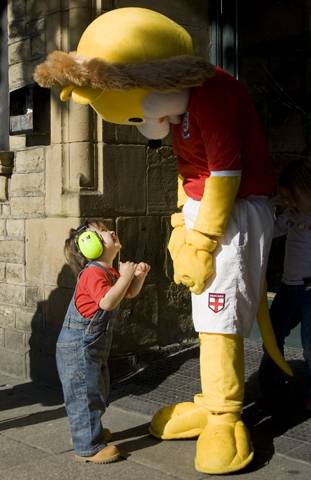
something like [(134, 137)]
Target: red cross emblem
[(216, 301)]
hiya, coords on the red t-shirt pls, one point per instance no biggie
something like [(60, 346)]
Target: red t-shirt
[(92, 285), (221, 132)]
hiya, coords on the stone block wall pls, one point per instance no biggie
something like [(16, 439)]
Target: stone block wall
[(89, 169)]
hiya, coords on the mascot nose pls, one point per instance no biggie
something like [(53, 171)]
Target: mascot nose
[(155, 144)]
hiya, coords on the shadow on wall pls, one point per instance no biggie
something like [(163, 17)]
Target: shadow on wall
[(44, 390), (46, 325)]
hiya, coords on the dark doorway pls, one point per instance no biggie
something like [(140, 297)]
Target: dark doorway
[(274, 63)]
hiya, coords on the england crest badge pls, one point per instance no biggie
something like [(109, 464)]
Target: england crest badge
[(216, 301)]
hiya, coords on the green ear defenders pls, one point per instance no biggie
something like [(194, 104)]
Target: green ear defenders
[(89, 243)]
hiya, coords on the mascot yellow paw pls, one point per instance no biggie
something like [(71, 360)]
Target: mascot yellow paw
[(224, 446), (182, 420), (177, 240), (194, 262)]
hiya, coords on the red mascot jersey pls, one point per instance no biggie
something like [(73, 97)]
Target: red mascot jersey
[(221, 132)]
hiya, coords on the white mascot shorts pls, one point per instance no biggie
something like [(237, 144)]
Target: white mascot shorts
[(230, 302)]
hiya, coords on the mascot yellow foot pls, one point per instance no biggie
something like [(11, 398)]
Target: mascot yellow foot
[(179, 421), (224, 446)]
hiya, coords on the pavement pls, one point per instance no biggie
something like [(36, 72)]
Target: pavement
[(35, 442)]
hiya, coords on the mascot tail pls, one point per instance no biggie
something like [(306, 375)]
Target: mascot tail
[(268, 337)]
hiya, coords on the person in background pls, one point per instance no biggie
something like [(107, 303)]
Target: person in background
[(83, 345), (292, 303)]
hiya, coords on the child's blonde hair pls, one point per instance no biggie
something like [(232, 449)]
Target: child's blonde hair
[(295, 178), (74, 257)]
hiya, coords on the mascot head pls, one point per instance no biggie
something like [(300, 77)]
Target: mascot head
[(133, 66)]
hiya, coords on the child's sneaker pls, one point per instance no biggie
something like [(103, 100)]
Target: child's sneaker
[(106, 455), (308, 404)]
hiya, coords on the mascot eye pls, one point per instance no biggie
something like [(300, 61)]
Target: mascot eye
[(135, 120)]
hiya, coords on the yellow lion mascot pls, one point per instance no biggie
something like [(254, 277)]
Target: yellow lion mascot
[(134, 66)]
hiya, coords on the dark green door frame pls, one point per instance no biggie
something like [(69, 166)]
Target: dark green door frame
[(223, 19), (4, 88)]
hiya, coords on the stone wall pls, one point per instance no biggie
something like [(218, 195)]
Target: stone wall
[(87, 169)]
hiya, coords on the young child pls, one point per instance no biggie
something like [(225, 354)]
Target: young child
[(84, 342), (292, 303)]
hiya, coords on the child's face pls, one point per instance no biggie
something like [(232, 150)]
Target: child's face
[(111, 240)]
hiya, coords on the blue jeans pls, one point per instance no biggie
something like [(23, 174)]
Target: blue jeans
[(290, 306), (82, 353)]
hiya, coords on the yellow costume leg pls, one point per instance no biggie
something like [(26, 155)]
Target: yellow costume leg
[(187, 419), (224, 445)]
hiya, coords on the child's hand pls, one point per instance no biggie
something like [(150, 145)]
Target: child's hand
[(127, 269), (142, 270)]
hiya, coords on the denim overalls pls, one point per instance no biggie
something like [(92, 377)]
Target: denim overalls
[(82, 352)]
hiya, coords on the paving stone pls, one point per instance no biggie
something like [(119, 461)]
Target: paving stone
[(15, 453), (302, 452), (286, 444), (47, 431), (64, 467)]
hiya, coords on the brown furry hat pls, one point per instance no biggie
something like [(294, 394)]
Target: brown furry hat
[(183, 71)]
